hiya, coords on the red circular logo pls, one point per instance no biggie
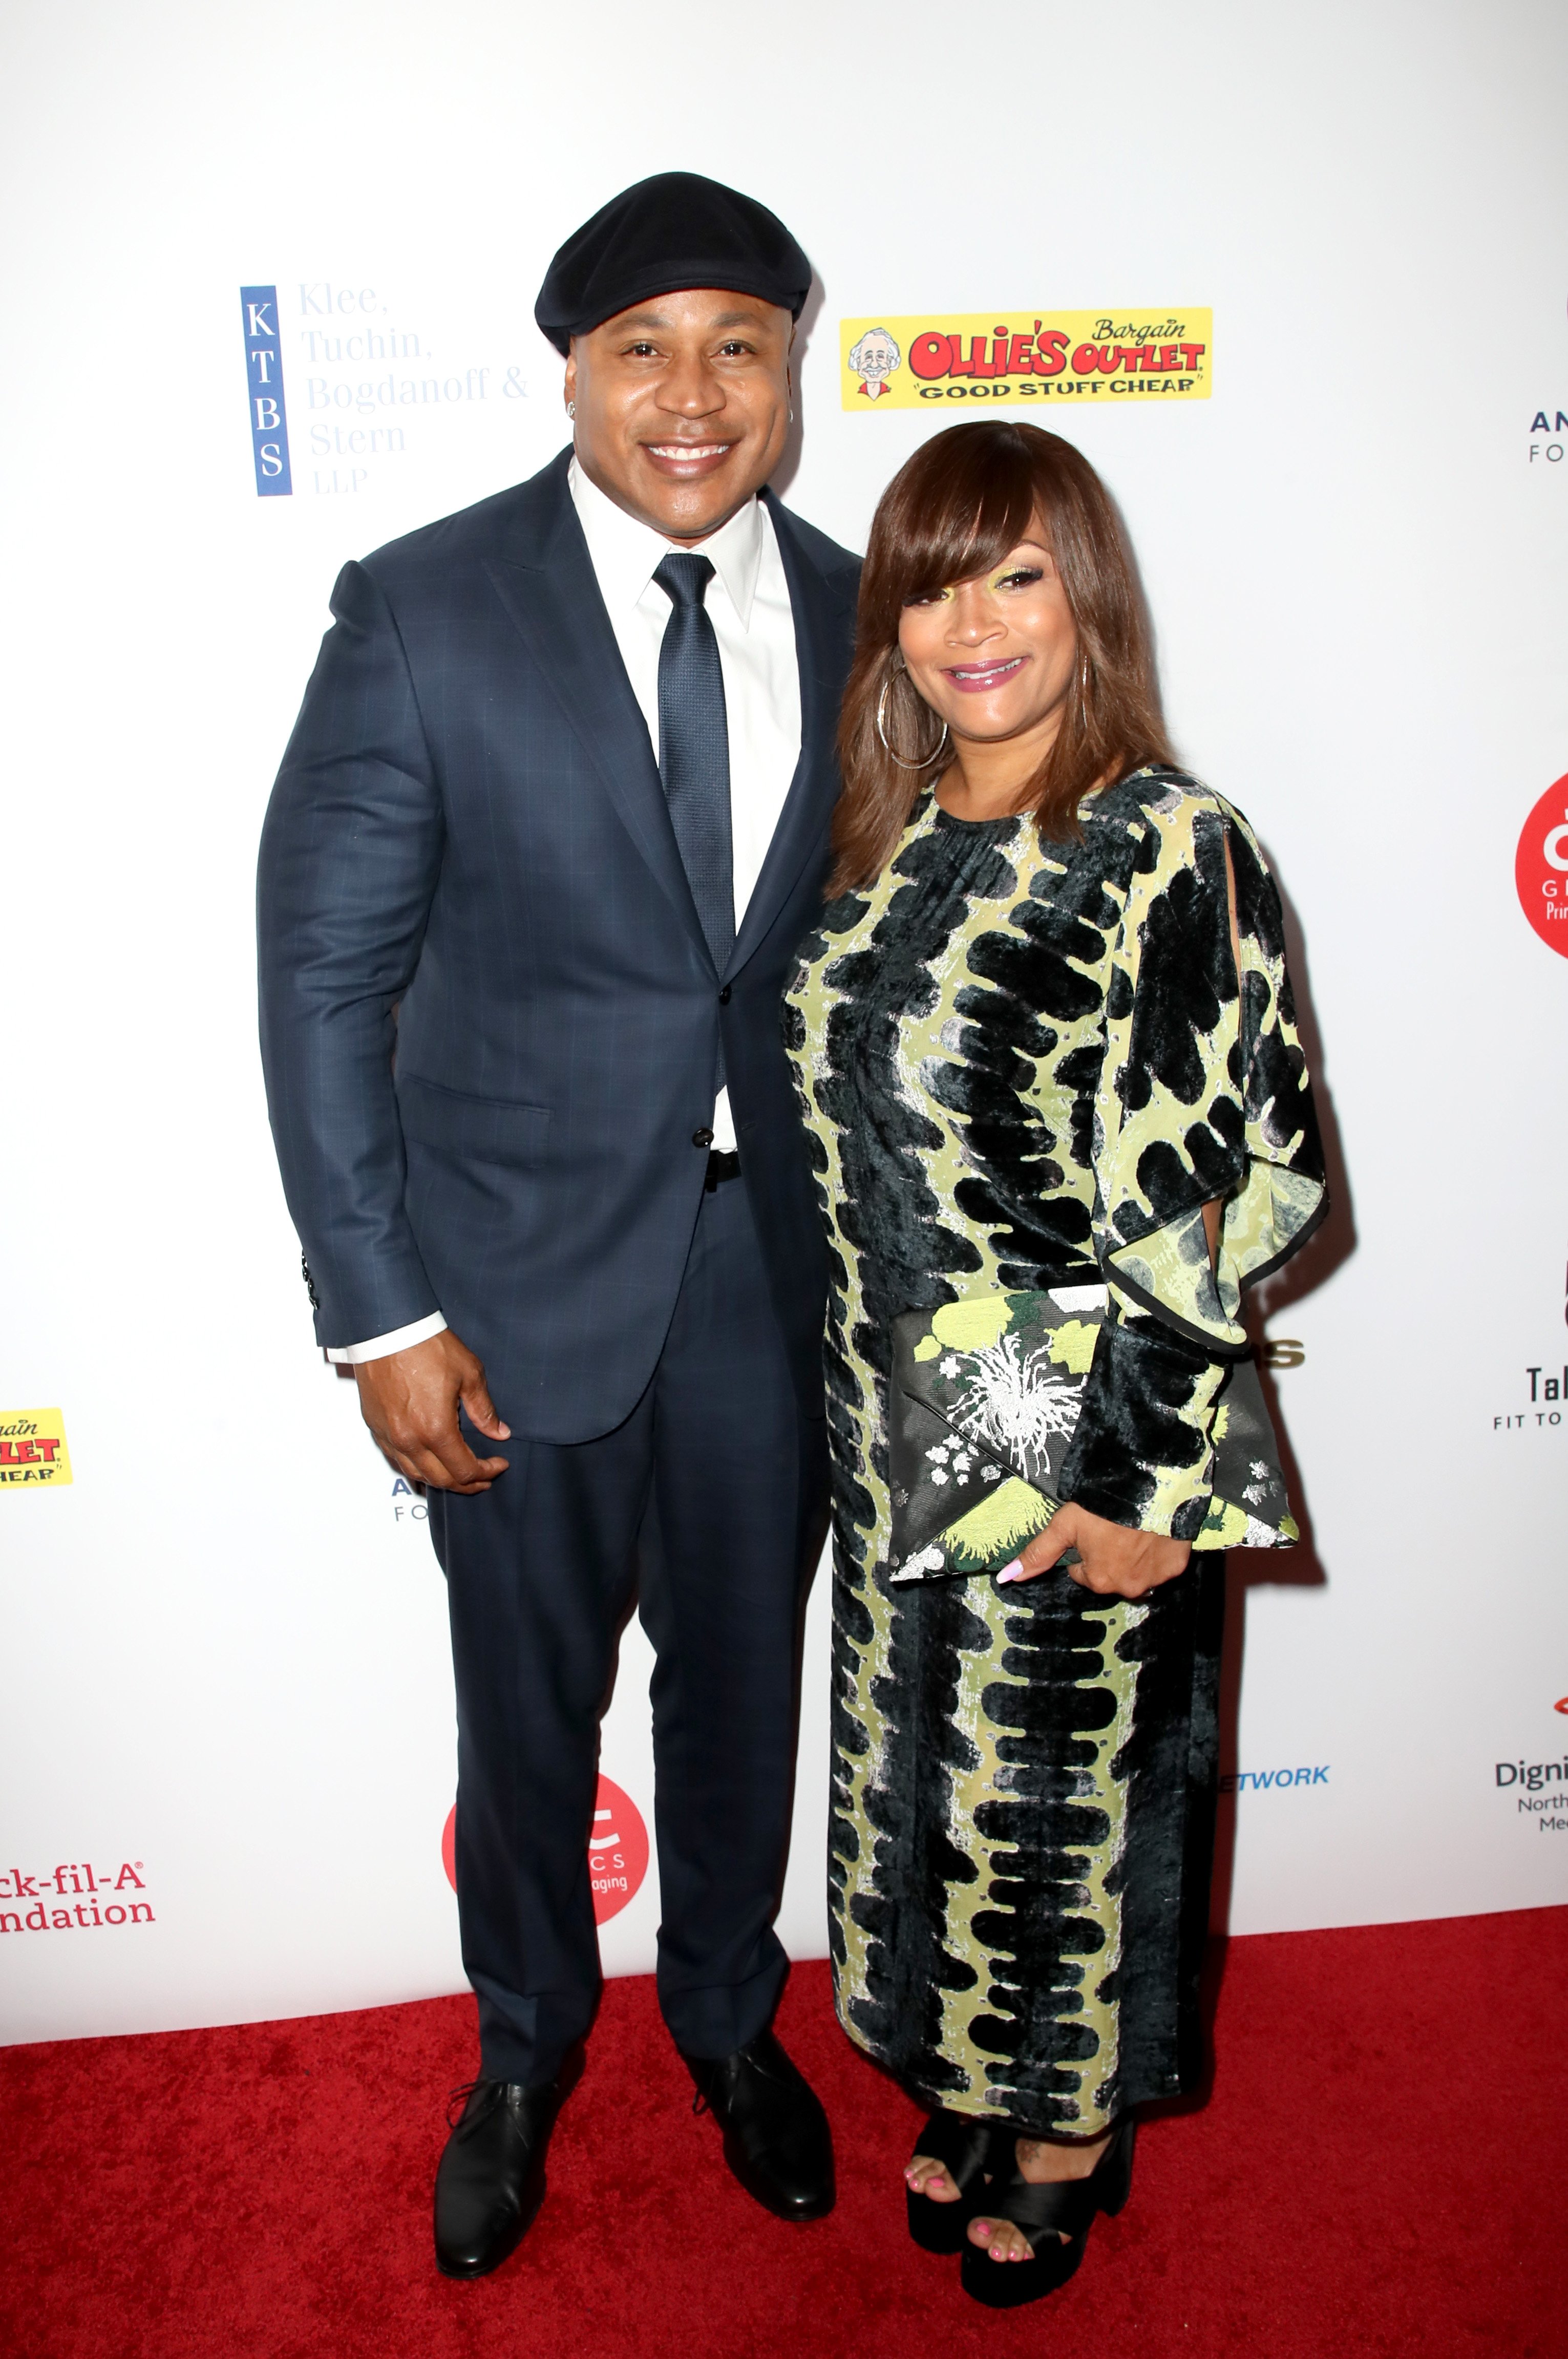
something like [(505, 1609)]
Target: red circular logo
[(1562, 1704), (617, 1850), (1541, 867)]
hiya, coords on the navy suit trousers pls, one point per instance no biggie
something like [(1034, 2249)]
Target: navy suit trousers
[(708, 1502)]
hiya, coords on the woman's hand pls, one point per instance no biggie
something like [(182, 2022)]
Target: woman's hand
[(1116, 1562)]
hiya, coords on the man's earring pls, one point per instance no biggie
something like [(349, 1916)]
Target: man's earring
[(572, 409)]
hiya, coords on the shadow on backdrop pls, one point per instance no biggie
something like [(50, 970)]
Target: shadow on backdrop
[(1302, 1566), (784, 475)]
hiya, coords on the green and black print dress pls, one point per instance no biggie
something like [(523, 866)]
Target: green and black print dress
[(1025, 1068)]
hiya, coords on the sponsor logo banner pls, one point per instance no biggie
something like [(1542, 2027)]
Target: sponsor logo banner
[(407, 1508), (32, 1447), (1539, 1791), (1551, 1390), (1260, 1782), (1533, 1776), (617, 1850), (74, 1896), (264, 382), (367, 378), (908, 362), (1551, 449), (1541, 867)]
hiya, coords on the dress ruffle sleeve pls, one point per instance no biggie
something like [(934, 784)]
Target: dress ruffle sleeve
[(1205, 1093)]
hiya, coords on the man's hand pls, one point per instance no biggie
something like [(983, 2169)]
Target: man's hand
[(410, 1401), (1116, 1562)]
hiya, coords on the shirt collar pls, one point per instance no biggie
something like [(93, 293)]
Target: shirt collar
[(625, 552)]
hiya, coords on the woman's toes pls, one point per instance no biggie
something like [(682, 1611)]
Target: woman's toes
[(999, 2239)]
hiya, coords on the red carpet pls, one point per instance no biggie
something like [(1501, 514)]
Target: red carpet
[(1380, 2169)]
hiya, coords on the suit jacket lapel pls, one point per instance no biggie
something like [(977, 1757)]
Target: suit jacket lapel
[(547, 585), (823, 613)]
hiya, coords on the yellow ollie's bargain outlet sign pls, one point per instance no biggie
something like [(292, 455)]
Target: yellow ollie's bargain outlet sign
[(32, 1449), (1043, 357)]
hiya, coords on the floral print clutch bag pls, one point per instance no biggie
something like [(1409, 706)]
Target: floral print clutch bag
[(984, 1404)]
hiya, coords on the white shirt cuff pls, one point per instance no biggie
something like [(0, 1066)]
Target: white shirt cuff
[(381, 1347)]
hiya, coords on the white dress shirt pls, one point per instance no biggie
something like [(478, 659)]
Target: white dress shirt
[(748, 601)]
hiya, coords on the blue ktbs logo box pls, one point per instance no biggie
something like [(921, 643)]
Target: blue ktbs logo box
[(263, 377)]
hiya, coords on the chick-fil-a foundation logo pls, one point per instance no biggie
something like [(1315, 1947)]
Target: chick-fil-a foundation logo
[(617, 1850), (1541, 867), (74, 1897)]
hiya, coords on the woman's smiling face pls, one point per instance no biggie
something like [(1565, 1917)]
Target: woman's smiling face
[(995, 656)]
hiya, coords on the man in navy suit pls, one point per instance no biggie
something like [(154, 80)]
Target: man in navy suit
[(551, 823)]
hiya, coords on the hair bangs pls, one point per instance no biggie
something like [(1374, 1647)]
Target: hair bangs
[(966, 521)]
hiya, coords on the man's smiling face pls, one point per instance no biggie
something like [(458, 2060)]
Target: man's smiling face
[(683, 405)]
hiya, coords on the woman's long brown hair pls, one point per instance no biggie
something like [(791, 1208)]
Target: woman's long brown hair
[(954, 510)]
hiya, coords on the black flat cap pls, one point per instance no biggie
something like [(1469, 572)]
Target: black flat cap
[(674, 230)]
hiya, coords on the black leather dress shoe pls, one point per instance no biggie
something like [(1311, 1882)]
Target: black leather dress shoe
[(776, 2139), (491, 2179)]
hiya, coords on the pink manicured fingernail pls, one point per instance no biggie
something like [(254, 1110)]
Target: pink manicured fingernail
[(1011, 1572)]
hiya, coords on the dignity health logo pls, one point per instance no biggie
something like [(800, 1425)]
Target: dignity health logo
[(905, 363), (1531, 1774)]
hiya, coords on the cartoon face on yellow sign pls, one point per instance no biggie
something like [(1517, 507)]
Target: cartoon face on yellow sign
[(32, 1449), (1037, 357), (873, 358)]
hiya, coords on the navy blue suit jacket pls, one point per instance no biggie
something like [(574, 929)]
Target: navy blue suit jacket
[(488, 1015)]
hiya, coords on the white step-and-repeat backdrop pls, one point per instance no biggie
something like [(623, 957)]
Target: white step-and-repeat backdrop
[(1297, 286)]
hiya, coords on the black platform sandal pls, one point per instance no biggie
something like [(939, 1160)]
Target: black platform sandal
[(961, 2143), (1064, 2207)]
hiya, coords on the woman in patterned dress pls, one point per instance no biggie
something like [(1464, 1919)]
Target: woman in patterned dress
[(1046, 1052)]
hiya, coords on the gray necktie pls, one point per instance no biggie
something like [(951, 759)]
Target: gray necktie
[(694, 748)]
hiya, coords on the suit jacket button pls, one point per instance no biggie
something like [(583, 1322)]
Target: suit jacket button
[(725, 996), (701, 1138)]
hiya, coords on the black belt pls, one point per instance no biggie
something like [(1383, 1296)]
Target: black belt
[(721, 1166)]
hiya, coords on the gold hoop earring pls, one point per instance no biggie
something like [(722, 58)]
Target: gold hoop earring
[(882, 732)]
